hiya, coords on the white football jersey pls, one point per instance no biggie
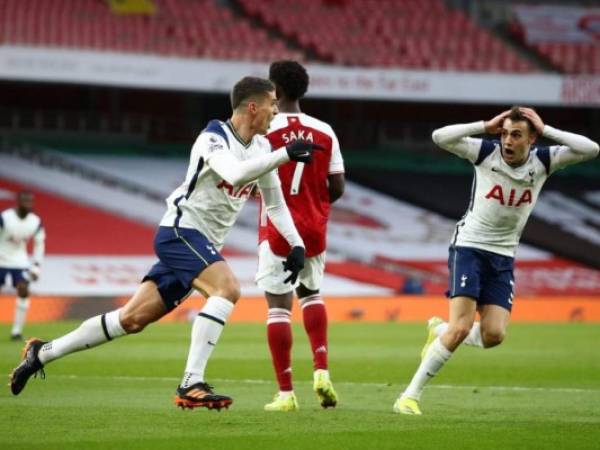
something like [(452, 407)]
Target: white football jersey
[(14, 235), (502, 197), (204, 201)]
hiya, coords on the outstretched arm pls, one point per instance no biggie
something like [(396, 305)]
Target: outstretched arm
[(237, 172), (574, 148)]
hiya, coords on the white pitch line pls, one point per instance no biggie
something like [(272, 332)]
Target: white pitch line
[(347, 383)]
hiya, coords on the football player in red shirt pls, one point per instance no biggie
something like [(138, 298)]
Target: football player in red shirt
[(309, 191)]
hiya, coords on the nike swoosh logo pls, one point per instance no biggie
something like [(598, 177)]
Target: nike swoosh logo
[(211, 343), (429, 374)]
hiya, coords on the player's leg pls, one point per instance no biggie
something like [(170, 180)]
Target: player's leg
[(437, 327), (494, 322), (279, 338), (218, 283), (146, 306), (462, 315), (495, 305), (21, 307), (270, 278), (314, 317)]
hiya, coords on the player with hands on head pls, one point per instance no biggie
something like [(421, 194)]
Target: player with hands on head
[(228, 161), (509, 175)]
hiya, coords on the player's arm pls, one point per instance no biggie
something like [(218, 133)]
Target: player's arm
[(39, 249), (574, 148), (237, 172), (336, 183), (335, 180), (456, 138), (279, 214)]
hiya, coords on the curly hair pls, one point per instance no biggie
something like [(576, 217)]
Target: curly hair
[(290, 77)]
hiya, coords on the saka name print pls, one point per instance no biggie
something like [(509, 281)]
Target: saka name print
[(510, 198)]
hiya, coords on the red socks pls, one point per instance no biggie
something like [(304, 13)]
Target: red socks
[(279, 336), (314, 316)]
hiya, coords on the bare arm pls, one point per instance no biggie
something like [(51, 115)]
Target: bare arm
[(336, 185)]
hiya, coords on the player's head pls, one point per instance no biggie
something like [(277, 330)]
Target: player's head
[(517, 135), (254, 99), (24, 202), (290, 79)]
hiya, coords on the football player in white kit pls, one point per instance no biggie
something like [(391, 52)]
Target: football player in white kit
[(17, 226), (509, 175), (228, 160)]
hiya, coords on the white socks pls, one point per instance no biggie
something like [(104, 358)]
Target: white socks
[(21, 307), (206, 330), (434, 360), (473, 338), (92, 332)]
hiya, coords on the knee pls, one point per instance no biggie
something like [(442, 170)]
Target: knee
[(493, 337), (22, 290), (230, 289), (458, 332), (132, 323)]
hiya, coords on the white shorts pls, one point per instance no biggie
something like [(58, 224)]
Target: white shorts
[(270, 274)]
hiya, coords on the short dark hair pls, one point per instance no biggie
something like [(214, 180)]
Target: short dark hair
[(249, 87), (517, 116), (290, 77)]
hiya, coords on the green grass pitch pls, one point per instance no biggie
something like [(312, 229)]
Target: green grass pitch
[(540, 389)]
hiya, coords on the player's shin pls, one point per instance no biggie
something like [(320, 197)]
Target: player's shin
[(206, 331), (21, 308), (314, 316), (92, 332), (279, 336), (437, 355)]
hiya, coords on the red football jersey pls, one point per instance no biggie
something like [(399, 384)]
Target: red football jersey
[(304, 185)]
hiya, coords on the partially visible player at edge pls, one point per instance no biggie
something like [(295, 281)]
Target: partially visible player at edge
[(227, 161), (309, 192), (17, 226), (509, 175)]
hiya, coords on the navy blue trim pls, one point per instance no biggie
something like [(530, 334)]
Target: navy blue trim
[(191, 188), (543, 154), (1, 221), (473, 187), (214, 126), (487, 147), (40, 226), (104, 328), (213, 318)]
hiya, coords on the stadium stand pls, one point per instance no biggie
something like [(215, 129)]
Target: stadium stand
[(411, 34), (566, 36), (416, 34), (177, 28)]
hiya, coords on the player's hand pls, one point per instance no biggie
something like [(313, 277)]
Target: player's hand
[(302, 151), (34, 272), (294, 263), (494, 126), (534, 118)]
